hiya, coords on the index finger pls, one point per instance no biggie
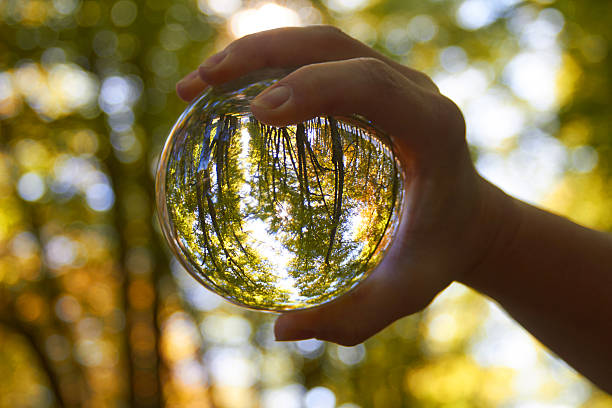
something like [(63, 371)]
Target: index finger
[(289, 47), (293, 47)]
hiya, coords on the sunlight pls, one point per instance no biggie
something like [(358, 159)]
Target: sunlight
[(232, 330), (271, 250), (78, 88), (245, 137), (56, 91), (462, 85), (310, 348), (542, 32), (199, 297), (493, 119), (7, 94), (60, 251), (533, 77), (190, 373), (442, 328), (230, 366), (422, 28), (504, 344), (31, 186), (453, 59), (289, 396), (24, 245), (180, 341), (584, 159), (320, 397), (357, 223), (475, 14), (118, 94), (100, 197), (346, 6), (351, 356), (530, 171), (265, 17), (221, 7)]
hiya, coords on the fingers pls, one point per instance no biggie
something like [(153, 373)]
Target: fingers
[(292, 47), (289, 47), (365, 86), (190, 86)]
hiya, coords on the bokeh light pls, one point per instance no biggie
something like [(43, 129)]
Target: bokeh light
[(320, 397), (123, 13), (31, 186), (345, 6), (265, 17)]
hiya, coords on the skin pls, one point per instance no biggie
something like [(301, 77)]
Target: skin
[(553, 276)]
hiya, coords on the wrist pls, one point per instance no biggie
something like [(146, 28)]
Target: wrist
[(497, 226)]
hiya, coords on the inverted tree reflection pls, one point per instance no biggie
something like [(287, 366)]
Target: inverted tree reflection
[(280, 218)]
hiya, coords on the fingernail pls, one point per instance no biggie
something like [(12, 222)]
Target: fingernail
[(214, 60), (190, 79), (272, 98), (293, 334)]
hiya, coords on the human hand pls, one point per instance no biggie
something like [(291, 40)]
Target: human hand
[(451, 215)]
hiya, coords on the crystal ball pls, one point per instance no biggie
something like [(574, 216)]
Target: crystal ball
[(276, 218)]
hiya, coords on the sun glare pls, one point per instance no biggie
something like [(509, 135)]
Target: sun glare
[(265, 17)]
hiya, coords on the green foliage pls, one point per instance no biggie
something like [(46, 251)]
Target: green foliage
[(277, 218), (93, 312)]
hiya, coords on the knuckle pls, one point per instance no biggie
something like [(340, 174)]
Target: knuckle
[(249, 48), (329, 30), (248, 44), (371, 63), (243, 43), (307, 74), (379, 73), (426, 81), (451, 109), (452, 120), (306, 79), (237, 45)]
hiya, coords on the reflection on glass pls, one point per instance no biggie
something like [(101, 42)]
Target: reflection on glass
[(276, 218)]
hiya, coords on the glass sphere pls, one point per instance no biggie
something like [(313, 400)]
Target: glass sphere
[(276, 218)]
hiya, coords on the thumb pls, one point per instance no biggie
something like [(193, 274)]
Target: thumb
[(348, 320), (359, 314), (400, 285), (366, 86)]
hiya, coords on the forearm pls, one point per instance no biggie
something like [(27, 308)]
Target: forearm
[(555, 278)]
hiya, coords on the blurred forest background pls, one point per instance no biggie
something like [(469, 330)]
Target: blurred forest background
[(94, 312)]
